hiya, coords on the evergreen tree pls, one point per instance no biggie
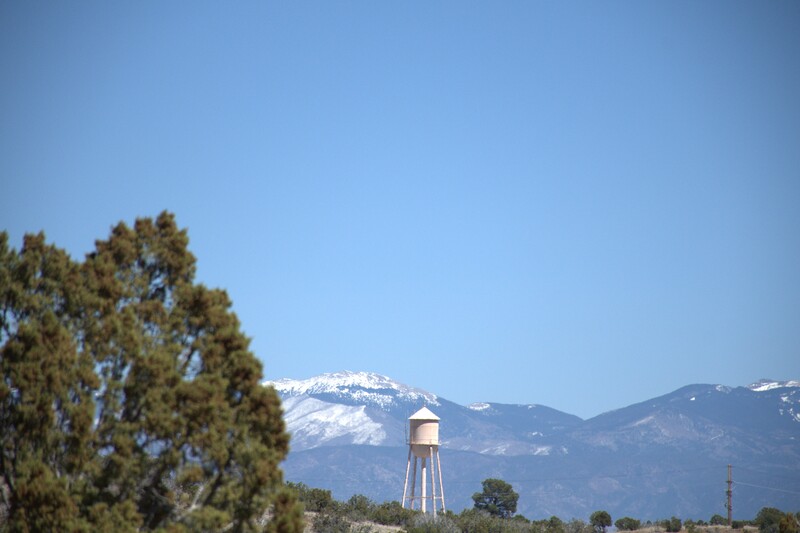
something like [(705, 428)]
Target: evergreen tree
[(129, 399), (498, 498), (600, 520)]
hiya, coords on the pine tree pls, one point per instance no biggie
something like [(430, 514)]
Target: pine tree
[(129, 399), (498, 498), (600, 520)]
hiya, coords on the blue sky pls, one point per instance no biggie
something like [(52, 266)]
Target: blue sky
[(576, 204)]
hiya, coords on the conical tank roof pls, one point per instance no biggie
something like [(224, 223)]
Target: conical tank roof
[(423, 414)]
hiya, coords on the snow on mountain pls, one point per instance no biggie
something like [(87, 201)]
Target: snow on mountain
[(345, 408), (361, 387), (789, 405), (369, 408), (768, 384), (311, 421)]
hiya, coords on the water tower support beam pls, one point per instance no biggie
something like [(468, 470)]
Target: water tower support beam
[(433, 483), (424, 485), (441, 483), (405, 485), (414, 483)]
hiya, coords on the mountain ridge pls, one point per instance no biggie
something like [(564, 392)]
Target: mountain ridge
[(337, 382), (651, 458)]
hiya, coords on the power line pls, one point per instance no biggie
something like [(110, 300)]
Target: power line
[(575, 478), (620, 475), (770, 474), (767, 488)]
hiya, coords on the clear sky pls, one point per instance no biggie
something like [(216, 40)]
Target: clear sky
[(576, 204)]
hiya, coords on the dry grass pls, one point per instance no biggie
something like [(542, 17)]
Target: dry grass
[(370, 527), (701, 529)]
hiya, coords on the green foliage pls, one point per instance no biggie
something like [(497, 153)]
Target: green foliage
[(673, 525), (788, 524), (768, 520), (555, 525), (129, 399), (344, 516), (627, 524), (286, 514), (498, 498), (359, 508), (331, 520), (426, 523), (577, 526), (334, 516), (551, 525), (717, 520), (314, 500), (600, 520), (392, 513), (478, 521)]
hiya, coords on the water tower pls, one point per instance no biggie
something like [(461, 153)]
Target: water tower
[(423, 444)]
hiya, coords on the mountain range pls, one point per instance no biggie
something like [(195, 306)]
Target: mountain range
[(664, 457)]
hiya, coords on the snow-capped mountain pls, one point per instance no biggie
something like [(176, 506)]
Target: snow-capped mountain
[(368, 408), (768, 384), (662, 457), (348, 408), (365, 388)]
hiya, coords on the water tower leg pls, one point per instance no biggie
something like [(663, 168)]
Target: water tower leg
[(424, 483), (441, 483), (414, 483), (433, 484), (405, 485)]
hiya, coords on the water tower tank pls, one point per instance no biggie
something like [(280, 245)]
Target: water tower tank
[(424, 432)]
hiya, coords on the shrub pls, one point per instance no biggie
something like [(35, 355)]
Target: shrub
[(314, 500), (577, 526), (788, 524), (426, 523), (768, 519), (359, 507), (555, 525), (627, 523), (331, 520), (673, 525), (392, 514)]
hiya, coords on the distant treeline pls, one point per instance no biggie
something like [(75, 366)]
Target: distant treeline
[(359, 514)]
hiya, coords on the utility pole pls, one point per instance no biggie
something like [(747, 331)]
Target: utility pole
[(729, 493)]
